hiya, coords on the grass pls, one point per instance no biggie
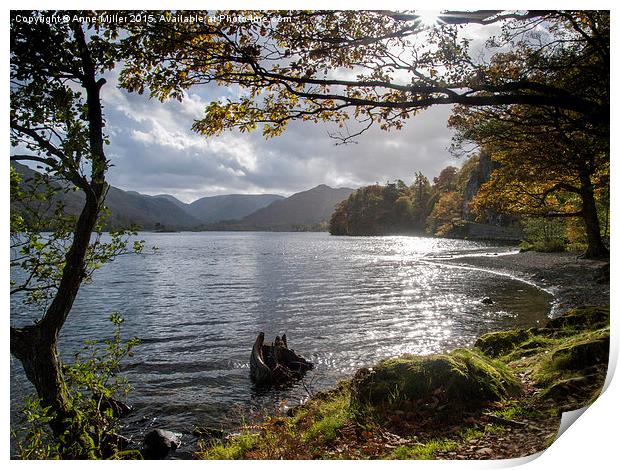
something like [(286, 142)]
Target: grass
[(329, 418), (234, 449), (424, 451)]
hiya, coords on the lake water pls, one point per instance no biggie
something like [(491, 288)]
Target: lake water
[(198, 302)]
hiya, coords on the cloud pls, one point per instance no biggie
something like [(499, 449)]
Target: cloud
[(154, 151)]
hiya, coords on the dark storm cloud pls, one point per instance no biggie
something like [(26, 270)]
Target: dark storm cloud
[(153, 151)]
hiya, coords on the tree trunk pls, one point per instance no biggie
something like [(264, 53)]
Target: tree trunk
[(36, 346), (596, 247), (37, 350)]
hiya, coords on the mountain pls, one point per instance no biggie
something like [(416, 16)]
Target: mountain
[(126, 207), (231, 206), (307, 210), (151, 212), (174, 200), (303, 210)]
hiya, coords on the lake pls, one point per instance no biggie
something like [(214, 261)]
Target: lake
[(200, 299)]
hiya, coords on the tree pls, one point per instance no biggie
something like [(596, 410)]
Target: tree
[(446, 180), (57, 122), (374, 67), (548, 166), (421, 189), (371, 210), (446, 213)]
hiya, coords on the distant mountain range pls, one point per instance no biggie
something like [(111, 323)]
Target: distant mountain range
[(307, 210)]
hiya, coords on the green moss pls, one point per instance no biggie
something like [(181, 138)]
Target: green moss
[(517, 411), (471, 433), (464, 378), (233, 449), (567, 358), (499, 343), (574, 356), (329, 416), (582, 318), (424, 451), (574, 371)]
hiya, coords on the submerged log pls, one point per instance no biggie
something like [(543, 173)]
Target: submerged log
[(275, 363)]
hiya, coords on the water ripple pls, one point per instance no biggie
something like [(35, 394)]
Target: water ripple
[(200, 300)]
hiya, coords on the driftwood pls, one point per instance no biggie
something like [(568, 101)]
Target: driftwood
[(275, 363)]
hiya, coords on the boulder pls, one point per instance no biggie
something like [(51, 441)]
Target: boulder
[(498, 343), (462, 378), (582, 318), (158, 443)]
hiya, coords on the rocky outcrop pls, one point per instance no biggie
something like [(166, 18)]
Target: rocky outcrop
[(480, 175)]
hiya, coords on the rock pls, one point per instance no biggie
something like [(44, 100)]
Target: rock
[(487, 301), (158, 443), (485, 452), (587, 317), (462, 379), (589, 352), (499, 343)]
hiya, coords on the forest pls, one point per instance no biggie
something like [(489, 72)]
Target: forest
[(461, 195), (398, 208)]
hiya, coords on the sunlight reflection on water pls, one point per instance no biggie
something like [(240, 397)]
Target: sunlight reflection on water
[(199, 302)]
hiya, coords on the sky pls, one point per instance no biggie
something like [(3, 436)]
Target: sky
[(154, 151)]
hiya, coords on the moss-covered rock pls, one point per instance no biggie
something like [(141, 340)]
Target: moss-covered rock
[(463, 378), (580, 389), (582, 318), (574, 357), (498, 343), (588, 352)]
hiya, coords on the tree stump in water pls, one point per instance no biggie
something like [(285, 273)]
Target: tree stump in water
[(275, 363)]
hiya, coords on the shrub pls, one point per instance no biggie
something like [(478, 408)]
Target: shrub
[(543, 234)]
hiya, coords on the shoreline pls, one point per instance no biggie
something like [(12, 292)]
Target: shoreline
[(572, 281), (514, 426)]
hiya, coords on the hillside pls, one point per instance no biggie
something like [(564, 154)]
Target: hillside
[(306, 208), (150, 212), (174, 200), (230, 206), (126, 207)]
